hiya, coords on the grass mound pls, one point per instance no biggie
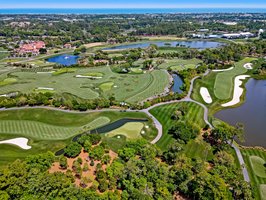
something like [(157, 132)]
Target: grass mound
[(258, 167), (8, 81), (130, 130), (106, 86)]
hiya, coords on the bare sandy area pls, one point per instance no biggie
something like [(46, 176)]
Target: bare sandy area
[(81, 76), (21, 142), (50, 72), (90, 174), (44, 88), (205, 95), (222, 70), (94, 44), (237, 91), (248, 65)]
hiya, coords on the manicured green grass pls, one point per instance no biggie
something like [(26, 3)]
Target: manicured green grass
[(106, 86), (159, 80), (130, 87), (182, 67), (224, 82), (136, 70), (179, 64), (50, 130), (64, 70), (257, 164), (7, 81), (198, 149), (163, 114), (263, 191), (130, 130), (3, 54), (115, 143), (11, 153), (255, 168), (175, 63), (94, 74)]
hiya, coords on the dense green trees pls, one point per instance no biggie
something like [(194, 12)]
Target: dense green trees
[(183, 132), (73, 150), (141, 172)]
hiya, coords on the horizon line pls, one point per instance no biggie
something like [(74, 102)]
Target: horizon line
[(132, 6)]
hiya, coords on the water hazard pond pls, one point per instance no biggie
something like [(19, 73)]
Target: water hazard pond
[(252, 113), (192, 44), (65, 59), (178, 83)]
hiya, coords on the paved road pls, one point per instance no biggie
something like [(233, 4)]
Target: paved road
[(242, 163)]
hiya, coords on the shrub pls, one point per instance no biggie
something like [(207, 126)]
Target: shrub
[(73, 150)]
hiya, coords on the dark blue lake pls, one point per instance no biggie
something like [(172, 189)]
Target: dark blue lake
[(191, 44), (252, 113), (65, 59), (178, 83)]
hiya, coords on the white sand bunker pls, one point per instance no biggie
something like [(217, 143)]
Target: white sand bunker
[(45, 88), (222, 70), (93, 77), (21, 142), (248, 65), (237, 91), (50, 72), (205, 95)]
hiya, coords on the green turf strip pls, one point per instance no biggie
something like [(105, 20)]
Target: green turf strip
[(163, 114), (258, 167), (224, 82)]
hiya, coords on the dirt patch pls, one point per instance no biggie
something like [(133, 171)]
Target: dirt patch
[(90, 175), (94, 44)]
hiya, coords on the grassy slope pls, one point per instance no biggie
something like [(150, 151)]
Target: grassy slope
[(157, 85), (256, 181), (163, 114), (179, 64), (129, 87)]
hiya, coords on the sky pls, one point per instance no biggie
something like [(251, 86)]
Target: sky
[(132, 4)]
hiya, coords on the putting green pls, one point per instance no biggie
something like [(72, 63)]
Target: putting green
[(257, 164), (130, 130), (263, 191), (106, 86), (136, 70)]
